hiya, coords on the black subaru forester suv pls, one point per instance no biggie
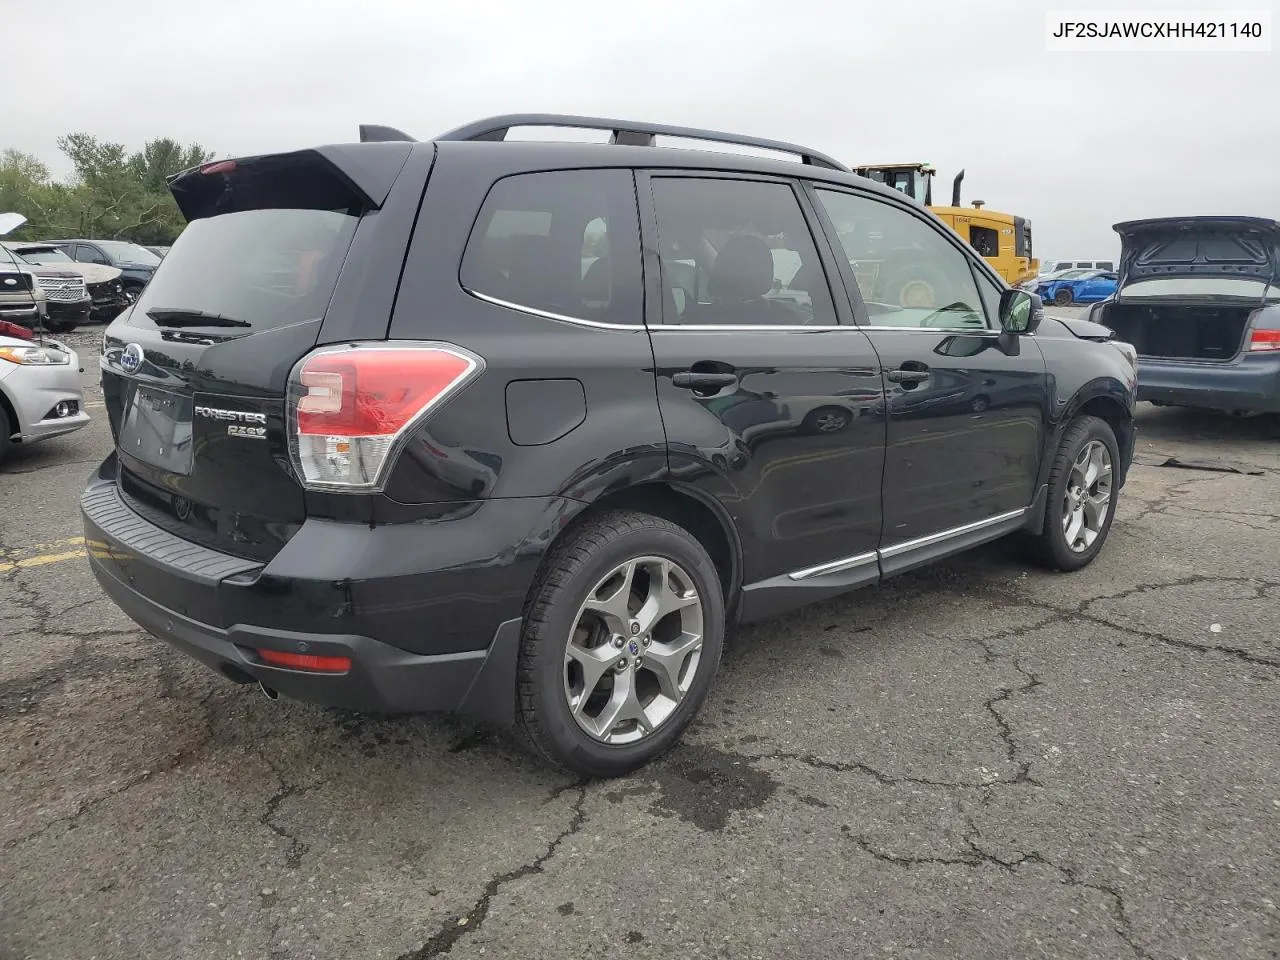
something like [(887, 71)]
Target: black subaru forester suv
[(514, 429)]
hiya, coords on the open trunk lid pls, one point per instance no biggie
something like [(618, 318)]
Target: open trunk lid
[(195, 374), (1236, 248)]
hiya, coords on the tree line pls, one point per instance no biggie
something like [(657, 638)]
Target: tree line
[(110, 194)]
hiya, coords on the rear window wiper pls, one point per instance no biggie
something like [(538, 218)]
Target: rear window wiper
[(178, 317)]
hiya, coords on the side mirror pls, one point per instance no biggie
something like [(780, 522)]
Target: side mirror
[(1020, 311)]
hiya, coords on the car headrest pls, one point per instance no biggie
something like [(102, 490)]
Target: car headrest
[(743, 269)]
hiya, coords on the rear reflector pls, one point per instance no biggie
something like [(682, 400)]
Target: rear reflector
[(1264, 340), (352, 407), (304, 661)]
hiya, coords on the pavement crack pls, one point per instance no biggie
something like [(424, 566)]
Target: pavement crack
[(455, 928), (297, 849), (1005, 729), (975, 858), (175, 762), (1082, 612), (888, 779)]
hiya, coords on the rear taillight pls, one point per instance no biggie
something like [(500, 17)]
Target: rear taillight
[(351, 407), (1261, 340)]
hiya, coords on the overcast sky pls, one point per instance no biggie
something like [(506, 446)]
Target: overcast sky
[(1073, 141)]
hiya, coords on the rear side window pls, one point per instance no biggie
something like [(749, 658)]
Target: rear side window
[(564, 242), (737, 252)]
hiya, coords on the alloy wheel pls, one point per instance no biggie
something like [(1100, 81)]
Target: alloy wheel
[(634, 649), (1087, 499)]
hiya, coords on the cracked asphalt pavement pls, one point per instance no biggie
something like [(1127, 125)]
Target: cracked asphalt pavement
[(979, 759)]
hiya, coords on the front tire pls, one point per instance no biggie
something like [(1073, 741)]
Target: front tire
[(1062, 297), (1081, 502), (6, 429), (622, 638)]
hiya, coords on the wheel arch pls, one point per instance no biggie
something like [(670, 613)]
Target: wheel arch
[(11, 411), (1099, 398), (692, 510), (1105, 398)]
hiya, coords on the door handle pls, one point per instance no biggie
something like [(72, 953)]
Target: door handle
[(907, 376), (690, 380)]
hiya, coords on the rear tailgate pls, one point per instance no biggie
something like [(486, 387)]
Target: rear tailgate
[(280, 250)]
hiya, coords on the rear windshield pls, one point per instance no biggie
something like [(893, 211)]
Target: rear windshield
[(122, 252), (267, 268)]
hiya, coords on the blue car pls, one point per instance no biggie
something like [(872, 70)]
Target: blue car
[(1077, 286)]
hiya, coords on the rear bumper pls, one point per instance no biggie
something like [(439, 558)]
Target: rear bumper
[(1251, 383), (382, 678), (428, 613)]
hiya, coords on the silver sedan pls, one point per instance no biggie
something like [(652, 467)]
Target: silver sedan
[(40, 392)]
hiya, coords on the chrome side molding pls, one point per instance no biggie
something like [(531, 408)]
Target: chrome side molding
[(897, 549)]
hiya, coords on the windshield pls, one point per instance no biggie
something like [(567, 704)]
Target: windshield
[(123, 252), (267, 268), (1069, 274), (43, 255)]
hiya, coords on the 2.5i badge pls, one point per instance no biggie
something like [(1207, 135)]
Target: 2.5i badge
[(242, 423)]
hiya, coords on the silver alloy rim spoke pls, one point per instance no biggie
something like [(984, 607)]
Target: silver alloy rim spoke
[(667, 660), (634, 650), (1087, 500), (595, 664)]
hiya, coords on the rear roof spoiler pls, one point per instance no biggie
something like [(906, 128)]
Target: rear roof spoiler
[(623, 132), (375, 133)]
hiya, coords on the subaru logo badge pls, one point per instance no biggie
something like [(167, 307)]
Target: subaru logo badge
[(633, 647), (131, 359)]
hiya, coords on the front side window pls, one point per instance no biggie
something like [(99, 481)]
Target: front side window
[(565, 243), (89, 255), (908, 274), (737, 252)]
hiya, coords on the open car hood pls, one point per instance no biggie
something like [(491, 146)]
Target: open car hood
[(1241, 248)]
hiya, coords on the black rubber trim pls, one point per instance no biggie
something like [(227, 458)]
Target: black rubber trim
[(103, 505)]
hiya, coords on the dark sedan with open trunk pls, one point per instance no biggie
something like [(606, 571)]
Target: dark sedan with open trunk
[(1199, 298)]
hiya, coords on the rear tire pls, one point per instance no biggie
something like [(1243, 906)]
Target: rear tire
[(576, 706), (1076, 518)]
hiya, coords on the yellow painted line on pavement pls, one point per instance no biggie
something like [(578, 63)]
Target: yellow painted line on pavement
[(82, 548), (41, 560)]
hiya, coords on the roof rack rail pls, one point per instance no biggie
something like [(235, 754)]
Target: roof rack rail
[(630, 132), (376, 133)]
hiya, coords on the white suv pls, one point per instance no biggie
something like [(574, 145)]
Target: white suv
[(1053, 266)]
